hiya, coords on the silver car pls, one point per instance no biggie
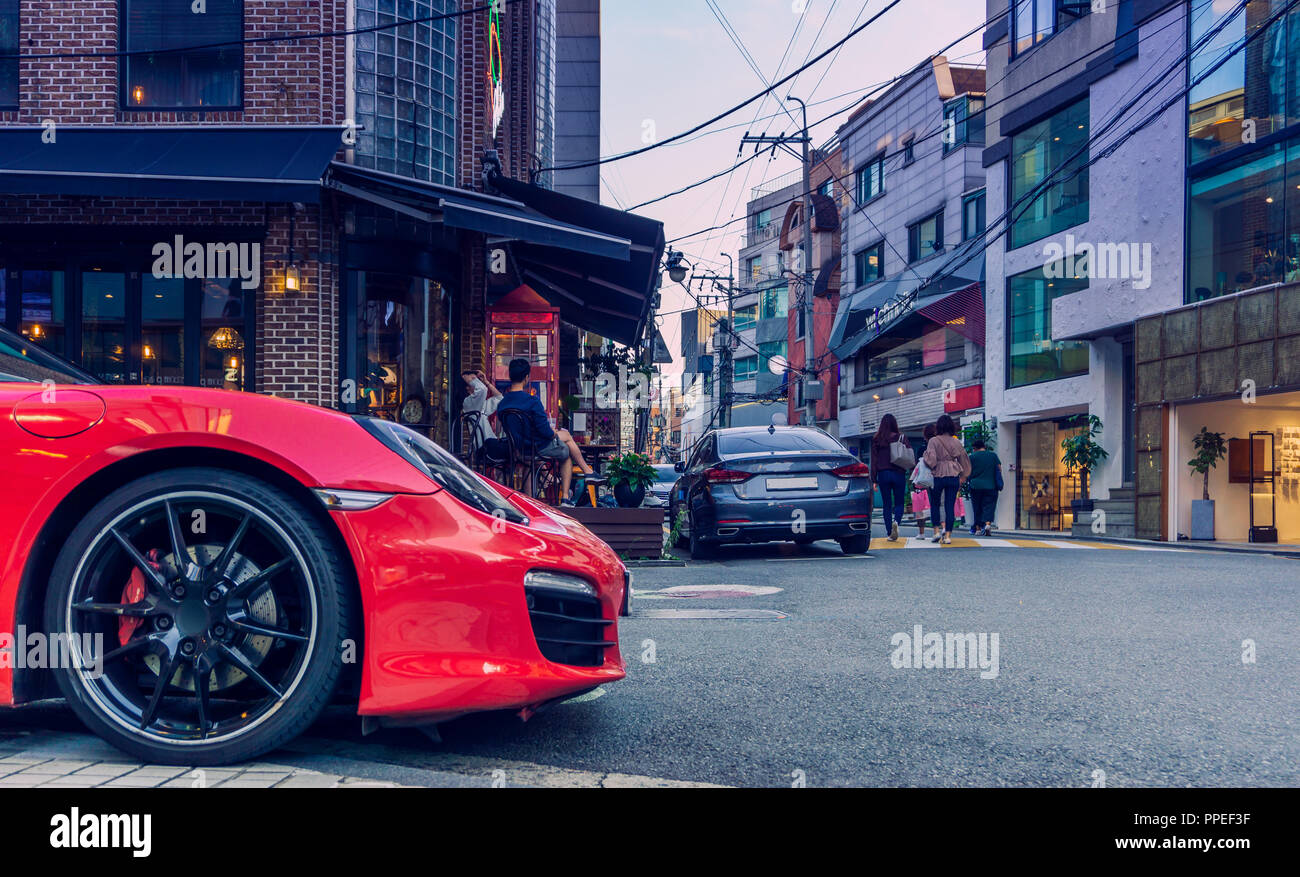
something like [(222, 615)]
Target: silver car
[(772, 484)]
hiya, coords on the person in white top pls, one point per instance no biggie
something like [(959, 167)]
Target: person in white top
[(484, 398)]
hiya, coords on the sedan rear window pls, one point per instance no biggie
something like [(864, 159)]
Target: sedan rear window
[(783, 440)]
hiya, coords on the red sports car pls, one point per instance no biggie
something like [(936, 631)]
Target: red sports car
[(199, 570)]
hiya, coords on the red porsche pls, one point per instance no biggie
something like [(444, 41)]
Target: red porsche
[(198, 571)]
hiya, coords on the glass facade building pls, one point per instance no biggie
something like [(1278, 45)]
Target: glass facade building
[(405, 87)]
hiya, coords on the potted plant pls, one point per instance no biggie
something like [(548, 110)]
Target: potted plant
[(1211, 447), (1082, 452), (629, 475)]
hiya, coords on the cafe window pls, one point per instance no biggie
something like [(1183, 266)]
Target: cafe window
[(8, 54), (1243, 224), (940, 346), (925, 238), (1254, 92), (869, 264), (1045, 149), (403, 326), (130, 327), (1032, 355), (155, 75)]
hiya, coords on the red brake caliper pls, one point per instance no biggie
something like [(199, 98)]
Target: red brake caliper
[(134, 592)]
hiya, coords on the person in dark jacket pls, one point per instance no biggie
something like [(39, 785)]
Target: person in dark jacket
[(891, 479), (534, 434), (984, 467)]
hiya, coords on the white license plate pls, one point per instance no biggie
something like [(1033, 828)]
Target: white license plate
[(792, 484)]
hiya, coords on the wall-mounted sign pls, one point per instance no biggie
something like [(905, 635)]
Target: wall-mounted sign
[(496, 95)]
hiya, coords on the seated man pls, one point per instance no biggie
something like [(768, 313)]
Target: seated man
[(540, 439)]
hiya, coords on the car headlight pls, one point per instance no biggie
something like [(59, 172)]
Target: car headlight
[(556, 581), (442, 468)]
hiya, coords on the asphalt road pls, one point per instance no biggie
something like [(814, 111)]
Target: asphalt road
[(1122, 662)]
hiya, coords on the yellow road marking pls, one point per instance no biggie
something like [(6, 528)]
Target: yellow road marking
[(1030, 543)]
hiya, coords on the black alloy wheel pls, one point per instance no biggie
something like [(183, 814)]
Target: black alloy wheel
[(210, 607)]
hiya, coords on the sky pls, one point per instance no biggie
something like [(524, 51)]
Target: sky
[(668, 65)]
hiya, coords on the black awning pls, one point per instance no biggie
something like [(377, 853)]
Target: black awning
[(471, 211), (608, 296), (198, 162)]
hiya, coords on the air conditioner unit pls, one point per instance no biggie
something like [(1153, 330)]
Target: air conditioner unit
[(813, 391)]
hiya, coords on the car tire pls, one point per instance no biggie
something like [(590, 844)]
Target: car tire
[(855, 544), (701, 550), (299, 664)]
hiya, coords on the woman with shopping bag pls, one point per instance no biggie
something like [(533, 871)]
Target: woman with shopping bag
[(946, 457), (892, 458), (923, 502)]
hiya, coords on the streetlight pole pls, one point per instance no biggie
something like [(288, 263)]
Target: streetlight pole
[(806, 292), (727, 364)]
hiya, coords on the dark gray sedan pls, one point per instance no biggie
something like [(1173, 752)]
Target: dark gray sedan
[(772, 484)]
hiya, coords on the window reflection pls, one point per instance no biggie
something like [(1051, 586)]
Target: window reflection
[(41, 316), (162, 353), (103, 325), (220, 343)]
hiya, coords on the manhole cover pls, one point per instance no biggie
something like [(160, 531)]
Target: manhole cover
[(715, 614)]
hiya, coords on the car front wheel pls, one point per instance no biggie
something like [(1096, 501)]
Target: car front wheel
[(206, 612), (700, 550)]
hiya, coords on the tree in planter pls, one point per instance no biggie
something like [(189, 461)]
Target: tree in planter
[(629, 475), (1083, 452), (1211, 447)]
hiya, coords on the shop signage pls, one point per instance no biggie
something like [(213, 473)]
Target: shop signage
[(496, 95)]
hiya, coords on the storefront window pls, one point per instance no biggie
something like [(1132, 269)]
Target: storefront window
[(404, 339), (1236, 227), (1044, 488), (41, 315), (938, 347), (1037, 152), (103, 325), (1032, 355), (1256, 92), (222, 347), (162, 354)]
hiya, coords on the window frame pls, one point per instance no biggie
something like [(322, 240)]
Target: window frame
[(1023, 213), (980, 196), (1010, 332), (16, 62), (123, 84), (914, 254), (876, 163), (1063, 15), (858, 257)]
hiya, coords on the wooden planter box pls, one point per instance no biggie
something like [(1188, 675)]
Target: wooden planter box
[(630, 532)]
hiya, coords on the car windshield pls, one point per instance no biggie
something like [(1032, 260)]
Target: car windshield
[(665, 474), (760, 441), (25, 362)]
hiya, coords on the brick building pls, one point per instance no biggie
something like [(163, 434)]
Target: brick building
[(146, 146)]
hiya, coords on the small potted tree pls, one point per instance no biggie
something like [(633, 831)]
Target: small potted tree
[(1082, 452), (1211, 447), (629, 475)]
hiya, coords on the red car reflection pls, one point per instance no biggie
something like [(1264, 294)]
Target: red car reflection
[(198, 571)]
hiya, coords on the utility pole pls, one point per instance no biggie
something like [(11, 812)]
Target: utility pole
[(782, 141)]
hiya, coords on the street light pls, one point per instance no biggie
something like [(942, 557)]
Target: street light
[(676, 266)]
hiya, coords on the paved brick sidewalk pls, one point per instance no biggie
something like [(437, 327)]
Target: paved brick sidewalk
[(21, 771)]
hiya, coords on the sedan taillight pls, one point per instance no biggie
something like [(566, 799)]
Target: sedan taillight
[(853, 470), (726, 476)]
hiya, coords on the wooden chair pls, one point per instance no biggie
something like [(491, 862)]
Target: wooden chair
[(539, 477)]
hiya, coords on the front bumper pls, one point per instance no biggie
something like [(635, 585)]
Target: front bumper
[(449, 626)]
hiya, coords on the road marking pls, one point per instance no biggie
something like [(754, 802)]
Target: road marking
[(714, 614), (1031, 543), (691, 591)]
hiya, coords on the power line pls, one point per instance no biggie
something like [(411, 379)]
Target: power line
[(274, 38), (740, 106)]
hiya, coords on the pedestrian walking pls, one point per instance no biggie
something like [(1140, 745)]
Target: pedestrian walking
[(947, 459), (985, 482), (892, 458), (923, 501)]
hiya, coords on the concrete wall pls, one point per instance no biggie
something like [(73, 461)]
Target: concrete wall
[(577, 96)]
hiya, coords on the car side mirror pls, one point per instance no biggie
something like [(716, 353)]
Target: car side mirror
[(679, 466)]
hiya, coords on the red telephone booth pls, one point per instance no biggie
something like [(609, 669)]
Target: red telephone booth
[(523, 325)]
